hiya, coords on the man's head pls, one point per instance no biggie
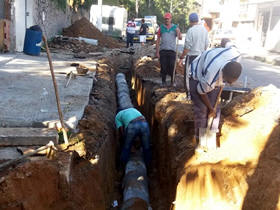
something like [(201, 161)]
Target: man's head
[(224, 41), (167, 18), (193, 18), (143, 20), (132, 18), (231, 71)]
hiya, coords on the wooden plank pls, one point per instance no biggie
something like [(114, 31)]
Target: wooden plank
[(27, 136)]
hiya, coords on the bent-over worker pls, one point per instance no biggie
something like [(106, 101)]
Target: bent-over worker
[(208, 72), (132, 124)]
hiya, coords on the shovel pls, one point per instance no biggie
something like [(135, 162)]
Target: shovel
[(207, 138), (187, 78), (175, 64)]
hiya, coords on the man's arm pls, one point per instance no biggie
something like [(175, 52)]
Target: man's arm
[(185, 52), (179, 34), (121, 131), (206, 101)]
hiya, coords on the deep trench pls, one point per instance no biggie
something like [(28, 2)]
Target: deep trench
[(161, 190), (85, 175)]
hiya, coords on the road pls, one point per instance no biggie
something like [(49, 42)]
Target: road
[(259, 73), (255, 72)]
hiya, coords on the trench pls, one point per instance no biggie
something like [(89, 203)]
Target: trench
[(86, 173)]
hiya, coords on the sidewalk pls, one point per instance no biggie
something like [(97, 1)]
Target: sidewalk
[(27, 94), (260, 54)]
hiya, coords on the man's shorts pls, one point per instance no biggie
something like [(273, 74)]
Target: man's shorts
[(142, 38)]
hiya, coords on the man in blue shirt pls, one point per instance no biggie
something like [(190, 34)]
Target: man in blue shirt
[(132, 124)]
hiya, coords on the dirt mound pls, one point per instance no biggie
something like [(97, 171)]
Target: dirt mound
[(147, 67), (83, 28)]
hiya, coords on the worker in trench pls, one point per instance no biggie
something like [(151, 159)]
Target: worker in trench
[(132, 124), (208, 73)]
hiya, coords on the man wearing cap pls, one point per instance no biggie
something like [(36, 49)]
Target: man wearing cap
[(130, 31), (132, 124), (166, 47), (196, 40)]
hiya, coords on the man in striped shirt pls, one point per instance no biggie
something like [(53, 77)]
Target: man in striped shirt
[(209, 71)]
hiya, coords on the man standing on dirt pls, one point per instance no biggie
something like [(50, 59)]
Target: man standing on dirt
[(132, 124), (143, 31), (196, 40), (166, 47), (130, 31), (208, 72)]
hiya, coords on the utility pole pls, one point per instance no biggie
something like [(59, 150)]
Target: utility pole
[(136, 7), (171, 6), (99, 19)]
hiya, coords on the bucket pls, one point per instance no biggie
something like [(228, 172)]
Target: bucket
[(32, 42)]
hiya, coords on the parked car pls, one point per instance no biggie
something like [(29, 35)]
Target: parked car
[(219, 34), (150, 36)]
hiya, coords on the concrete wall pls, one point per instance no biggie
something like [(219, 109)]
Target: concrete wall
[(19, 24), (51, 19), (1, 9), (44, 13)]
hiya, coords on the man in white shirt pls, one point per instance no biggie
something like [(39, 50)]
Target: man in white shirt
[(208, 72), (196, 40), (130, 31)]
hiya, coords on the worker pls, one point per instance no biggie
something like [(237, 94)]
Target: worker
[(196, 40), (130, 31), (166, 47), (209, 71), (132, 124), (143, 31)]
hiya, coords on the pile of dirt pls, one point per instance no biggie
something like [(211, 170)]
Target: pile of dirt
[(147, 67), (83, 28)]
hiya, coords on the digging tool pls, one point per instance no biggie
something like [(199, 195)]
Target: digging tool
[(175, 64), (187, 78), (69, 77), (207, 138), (65, 137)]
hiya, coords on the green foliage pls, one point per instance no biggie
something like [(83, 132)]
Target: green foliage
[(60, 4)]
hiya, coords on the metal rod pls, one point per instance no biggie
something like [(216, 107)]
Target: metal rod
[(65, 137)]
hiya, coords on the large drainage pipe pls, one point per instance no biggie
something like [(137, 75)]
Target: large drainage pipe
[(135, 182), (124, 101)]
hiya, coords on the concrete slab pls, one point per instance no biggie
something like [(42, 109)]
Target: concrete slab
[(9, 153), (23, 79), (27, 136)]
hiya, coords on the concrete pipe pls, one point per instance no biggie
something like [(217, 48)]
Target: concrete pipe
[(135, 184), (124, 101)]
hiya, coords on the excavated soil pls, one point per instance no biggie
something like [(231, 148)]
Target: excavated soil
[(80, 176), (243, 173), (83, 28)]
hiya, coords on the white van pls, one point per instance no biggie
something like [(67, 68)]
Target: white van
[(113, 21)]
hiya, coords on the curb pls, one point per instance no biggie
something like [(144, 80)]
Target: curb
[(266, 59)]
